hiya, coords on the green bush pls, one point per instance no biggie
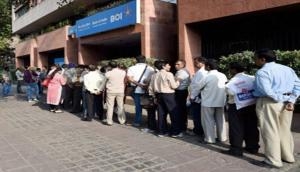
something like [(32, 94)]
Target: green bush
[(126, 61), (289, 58)]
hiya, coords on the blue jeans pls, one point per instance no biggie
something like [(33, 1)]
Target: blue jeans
[(138, 108), (6, 89), (32, 90)]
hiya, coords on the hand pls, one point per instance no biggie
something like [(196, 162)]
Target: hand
[(155, 100), (289, 106)]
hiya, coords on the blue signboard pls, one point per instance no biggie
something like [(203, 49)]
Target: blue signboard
[(121, 16), (59, 60), (71, 30)]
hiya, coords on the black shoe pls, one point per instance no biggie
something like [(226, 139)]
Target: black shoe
[(251, 151), (83, 119), (205, 142), (264, 164), (232, 153)]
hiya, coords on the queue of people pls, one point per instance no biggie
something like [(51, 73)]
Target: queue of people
[(264, 101)]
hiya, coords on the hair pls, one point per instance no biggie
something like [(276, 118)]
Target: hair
[(237, 66), (182, 61), (6, 68), (156, 63), (200, 59), (55, 71), (140, 59), (161, 64), (212, 64), (267, 54), (92, 67), (113, 64), (64, 66)]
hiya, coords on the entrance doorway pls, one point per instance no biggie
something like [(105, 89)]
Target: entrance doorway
[(275, 28)]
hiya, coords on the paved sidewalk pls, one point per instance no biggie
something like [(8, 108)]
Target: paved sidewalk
[(33, 139)]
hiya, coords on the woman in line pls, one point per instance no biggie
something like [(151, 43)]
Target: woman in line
[(55, 89)]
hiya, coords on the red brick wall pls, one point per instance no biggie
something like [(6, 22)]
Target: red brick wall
[(159, 38), (52, 40), (192, 11)]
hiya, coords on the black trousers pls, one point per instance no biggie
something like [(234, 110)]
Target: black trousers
[(19, 86), (77, 98), (94, 105), (68, 96), (98, 105), (243, 127), (151, 118), (180, 97), (196, 113), (167, 104)]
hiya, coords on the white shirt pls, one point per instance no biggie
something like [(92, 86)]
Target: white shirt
[(213, 89), (184, 76), (136, 72), (94, 82), (194, 86), (19, 75), (241, 86)]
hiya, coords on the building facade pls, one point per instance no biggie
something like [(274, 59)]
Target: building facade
[(215, 28), (120, 28)]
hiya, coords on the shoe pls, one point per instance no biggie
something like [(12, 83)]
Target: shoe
[(30, 101), (136, 124), (190, 133), (36, 100), (109, 124), (147, 130), (232, 153), (251, 151), (58, 111), (264, 164), (161, 135), (83, 119), (52, 110), (177, 135), (206, 142)]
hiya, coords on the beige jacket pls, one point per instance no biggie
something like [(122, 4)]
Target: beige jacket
[(163, 82)]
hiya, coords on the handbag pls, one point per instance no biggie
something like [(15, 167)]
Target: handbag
[(46, 82), (129, 90), (147, 101)]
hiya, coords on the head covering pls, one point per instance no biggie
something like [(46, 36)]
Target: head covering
[(71, 65)]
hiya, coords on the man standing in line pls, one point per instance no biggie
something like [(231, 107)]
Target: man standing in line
[(6, 76), (163, 86), (20, 78), (115, 87), (213, 99), (181, 92), (94, 84), (136, 75), (277, 88), (195, 95), (242, 119)]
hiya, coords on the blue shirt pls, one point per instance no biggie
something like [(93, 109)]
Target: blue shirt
[(278, 82)]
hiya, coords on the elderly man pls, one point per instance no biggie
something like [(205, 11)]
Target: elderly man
[(213, 98), (277, 88), (94, 84)]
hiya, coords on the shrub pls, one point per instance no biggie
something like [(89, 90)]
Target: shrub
[(126, 61), (288, 58)]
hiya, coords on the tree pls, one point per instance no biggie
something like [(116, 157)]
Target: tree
[(5, 32)]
